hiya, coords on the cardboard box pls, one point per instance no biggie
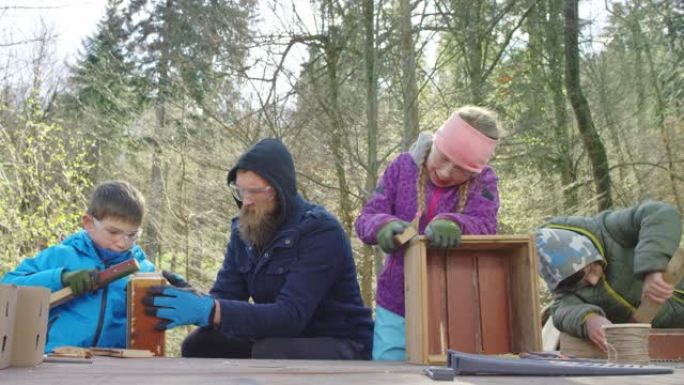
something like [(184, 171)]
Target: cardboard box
[(481, 297), (23, 325)]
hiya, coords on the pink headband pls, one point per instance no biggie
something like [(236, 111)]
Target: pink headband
[(465, 146)]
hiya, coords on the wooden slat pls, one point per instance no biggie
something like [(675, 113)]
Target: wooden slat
[(464, 313), (438, 297), (416, 301), (492, 272), (523, 289)]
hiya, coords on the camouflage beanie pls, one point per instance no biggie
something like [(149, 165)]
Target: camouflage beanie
[(562, 253)]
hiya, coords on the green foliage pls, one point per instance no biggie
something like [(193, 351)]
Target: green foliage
[(43, 183)]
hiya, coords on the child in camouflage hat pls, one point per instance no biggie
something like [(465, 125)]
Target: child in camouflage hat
[(599, 268)]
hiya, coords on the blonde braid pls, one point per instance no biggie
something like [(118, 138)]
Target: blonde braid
[(422, 180), (462, 197)]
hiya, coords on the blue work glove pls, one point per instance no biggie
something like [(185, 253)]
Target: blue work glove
[(443, 233), (385, 236), (178, 306), (80, 281), (174, 279)]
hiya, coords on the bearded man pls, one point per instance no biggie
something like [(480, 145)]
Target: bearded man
[(288, 286)]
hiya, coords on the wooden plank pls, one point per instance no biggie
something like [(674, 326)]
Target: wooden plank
[(463, 311), (438, 298), (416, 301), (179, 371), (492, 273), (524, 294)]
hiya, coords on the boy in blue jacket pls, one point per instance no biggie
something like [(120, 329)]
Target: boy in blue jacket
[(111, 226)]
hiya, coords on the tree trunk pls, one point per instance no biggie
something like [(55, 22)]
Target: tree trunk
[(156, 196), (332, 54), (409, 84), (554, 52), (366, 263), (585, 124)]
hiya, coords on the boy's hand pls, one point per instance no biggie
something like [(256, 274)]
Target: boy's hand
[(656, 289), (443, 233), (177, 307), (595, 332), (79, 281), (385, 236)]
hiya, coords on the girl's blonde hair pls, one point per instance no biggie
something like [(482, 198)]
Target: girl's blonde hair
[(479, 118)]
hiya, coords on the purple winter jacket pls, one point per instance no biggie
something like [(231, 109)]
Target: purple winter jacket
[(396, 198)]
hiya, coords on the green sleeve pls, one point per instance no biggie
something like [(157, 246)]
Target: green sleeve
[(654, 230), (570, 312)]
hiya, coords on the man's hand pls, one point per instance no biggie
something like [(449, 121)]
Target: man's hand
[(595, 330), (387, 232), (177, 306), (656, 289), (79, 281), (443, 233)]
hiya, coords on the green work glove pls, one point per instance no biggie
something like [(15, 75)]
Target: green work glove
[(443, 233), (80, 281), (387, 232)]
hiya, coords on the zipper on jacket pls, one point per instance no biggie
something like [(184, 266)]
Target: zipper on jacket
[(100, 321)]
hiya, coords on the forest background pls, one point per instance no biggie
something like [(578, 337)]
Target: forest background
[(167, 94)]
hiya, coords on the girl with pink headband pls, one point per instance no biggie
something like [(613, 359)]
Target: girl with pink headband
[(444, 180)]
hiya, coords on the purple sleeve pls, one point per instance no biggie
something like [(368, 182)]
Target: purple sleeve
[(379, 209), (479, 214)]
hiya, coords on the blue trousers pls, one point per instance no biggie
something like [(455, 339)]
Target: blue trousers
[(389, 336), (211, 343)]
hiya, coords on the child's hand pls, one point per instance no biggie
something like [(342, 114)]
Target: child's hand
[(387, 232), (80, 281), (656, 288), (443, 233), (595, 332)]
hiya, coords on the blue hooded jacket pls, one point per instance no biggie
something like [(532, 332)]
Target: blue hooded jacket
[(303, 283), (93, 319)]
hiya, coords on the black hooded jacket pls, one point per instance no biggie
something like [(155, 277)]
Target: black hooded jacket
[(303, 284)]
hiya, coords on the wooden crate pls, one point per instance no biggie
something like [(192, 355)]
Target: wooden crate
[(140, 327), (478, 298)]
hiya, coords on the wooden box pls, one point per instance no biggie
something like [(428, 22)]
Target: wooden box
[(23, 325), (140, 327), (478, 298)]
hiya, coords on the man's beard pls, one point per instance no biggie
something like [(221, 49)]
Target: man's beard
[(258, 224)]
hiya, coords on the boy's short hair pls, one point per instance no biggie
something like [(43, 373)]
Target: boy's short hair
[(117, 199)]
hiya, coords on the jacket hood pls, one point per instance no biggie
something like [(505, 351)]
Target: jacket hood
[(421, 147), (272, 161), (562, 253)]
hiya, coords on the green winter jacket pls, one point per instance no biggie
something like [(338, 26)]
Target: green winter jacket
[(633, 241)]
